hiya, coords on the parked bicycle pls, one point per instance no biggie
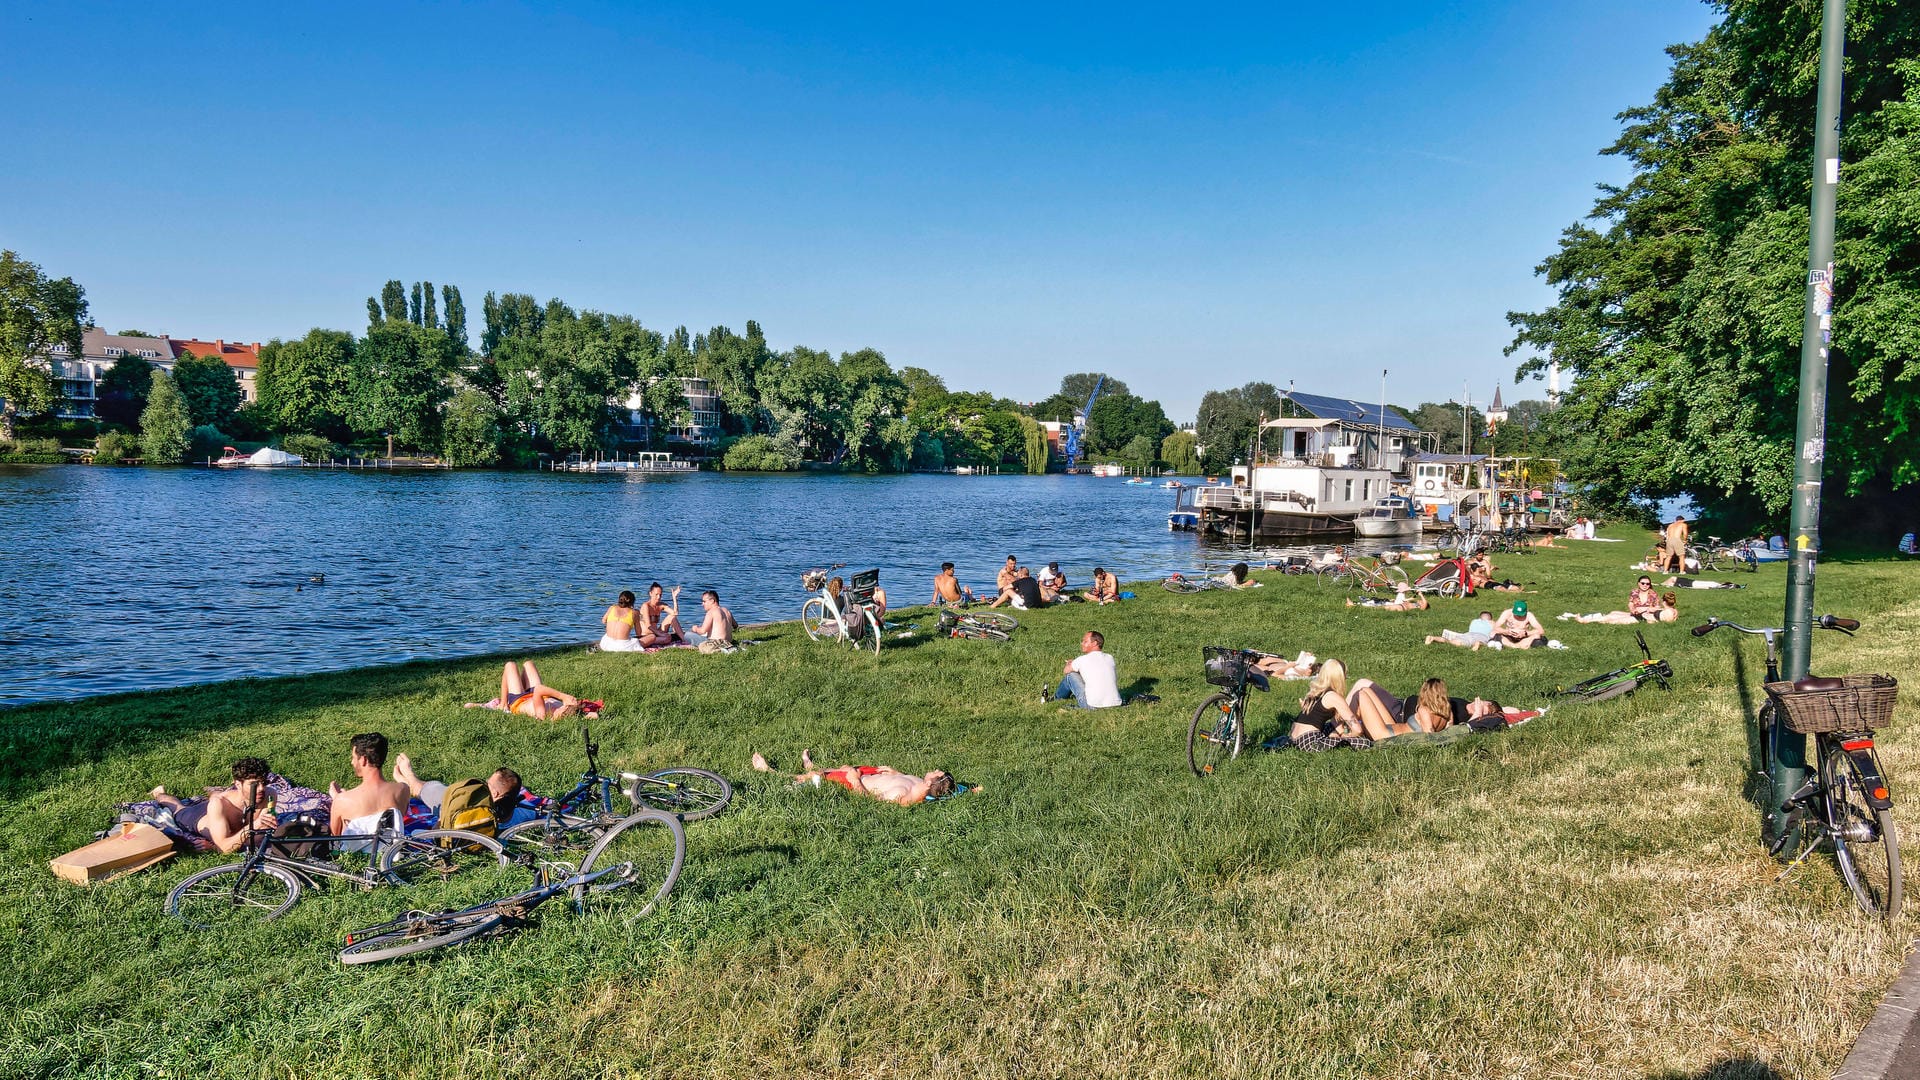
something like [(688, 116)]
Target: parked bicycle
[(981, 625), (1218, 731), (1362, 574), (1722, 555), (851, 616), (276, 870), (1621, 681), (418, 931), (1845, 802)]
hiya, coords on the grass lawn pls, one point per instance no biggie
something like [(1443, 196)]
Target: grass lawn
[(1582, 896)]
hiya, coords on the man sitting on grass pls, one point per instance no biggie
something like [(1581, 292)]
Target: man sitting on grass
[(947, 590), (357, 810), (1090, 680), (1106, 589), (1023, 592), (1519, 629), (715, 632), (222, 816), (883, 782)]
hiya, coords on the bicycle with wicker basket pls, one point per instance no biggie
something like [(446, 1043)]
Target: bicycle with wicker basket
[(1219, 729), (1845, 803)]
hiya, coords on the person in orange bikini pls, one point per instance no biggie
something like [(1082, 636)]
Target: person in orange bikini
[(619, 623), (883, 782), (523, 694)]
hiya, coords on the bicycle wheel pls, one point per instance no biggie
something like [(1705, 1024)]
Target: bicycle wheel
[(229, 895), (816, 620), (1395, 577), (433, 932), (1611, 690), (1865, 843), (648, 850), (871, 631), (1450, 588), (1708, 558), (991, 619), (1215, 735), (1330, 576), (538, 841), (450, 869), (691, 793), (1181, 586)]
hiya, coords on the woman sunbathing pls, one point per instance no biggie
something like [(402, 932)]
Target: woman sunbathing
[(1326, 720), (883, 782), (1668, 611), (522, 693), (1404, 599), (1304, 666)]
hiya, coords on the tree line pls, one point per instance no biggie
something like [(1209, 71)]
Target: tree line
[(546, 379), (1680, 297)]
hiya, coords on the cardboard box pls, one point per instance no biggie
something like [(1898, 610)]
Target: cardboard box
[(133, 847)]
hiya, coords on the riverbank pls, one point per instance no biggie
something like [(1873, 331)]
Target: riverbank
[(1580, 896)]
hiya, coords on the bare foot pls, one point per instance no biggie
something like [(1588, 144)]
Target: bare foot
[(806, 760), (760, 762), (1430, 640), (158, 792)]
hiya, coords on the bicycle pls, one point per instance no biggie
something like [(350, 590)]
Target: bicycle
[(270, 878), (1218, 731), (1365, 575), (1621, 681), (585, 819), (853, 617), (1737, 556), (417, 931), (1845, 801), (982, 625), (1186, 584)]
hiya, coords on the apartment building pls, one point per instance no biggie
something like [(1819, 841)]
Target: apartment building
[(77, 378), (243, 359)]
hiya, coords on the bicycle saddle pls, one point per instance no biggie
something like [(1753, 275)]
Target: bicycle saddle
[(1815, 682)]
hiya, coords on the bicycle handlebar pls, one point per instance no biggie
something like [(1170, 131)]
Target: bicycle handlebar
[(1823, 622)]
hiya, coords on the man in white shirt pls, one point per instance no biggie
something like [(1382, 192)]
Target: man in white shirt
[(1090, 680)]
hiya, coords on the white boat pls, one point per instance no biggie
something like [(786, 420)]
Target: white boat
[(1389, 518), (1109, 469), (230, 458), (268, 458), (1320, 480)]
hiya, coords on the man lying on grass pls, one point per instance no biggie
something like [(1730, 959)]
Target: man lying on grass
[(221, 816), (883, 782)]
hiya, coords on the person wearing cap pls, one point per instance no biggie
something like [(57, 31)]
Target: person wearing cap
[(1517, 628)]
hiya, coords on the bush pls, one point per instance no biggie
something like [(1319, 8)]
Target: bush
[(207, 441), (761, 453), (114, 447), (310, 447), (31, 452)]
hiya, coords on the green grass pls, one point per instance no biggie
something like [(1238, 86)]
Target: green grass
[(1584, 896)]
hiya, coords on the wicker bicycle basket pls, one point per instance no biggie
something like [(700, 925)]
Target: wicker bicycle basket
[(1225, 667), (1864, 703)]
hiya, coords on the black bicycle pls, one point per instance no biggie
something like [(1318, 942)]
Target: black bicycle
[(1845, 802), (981, 625), (277, 869), (418, 931), (1621, 681), (1219, 729)]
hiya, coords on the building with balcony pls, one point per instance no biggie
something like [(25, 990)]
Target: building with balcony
[(77, 378), (243, 359)]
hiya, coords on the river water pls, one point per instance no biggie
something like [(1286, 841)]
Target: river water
[(117, 579)]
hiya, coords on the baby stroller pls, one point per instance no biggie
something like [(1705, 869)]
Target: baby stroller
[(1448, 577)]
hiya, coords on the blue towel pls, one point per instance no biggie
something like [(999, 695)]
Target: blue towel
[(1126, 596)]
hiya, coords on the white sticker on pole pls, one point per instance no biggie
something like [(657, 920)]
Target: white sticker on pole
[(1833, 170)]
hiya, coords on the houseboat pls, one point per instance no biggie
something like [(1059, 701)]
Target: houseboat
[(1312, 475)]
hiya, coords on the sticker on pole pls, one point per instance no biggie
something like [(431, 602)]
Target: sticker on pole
[(1833, 170)]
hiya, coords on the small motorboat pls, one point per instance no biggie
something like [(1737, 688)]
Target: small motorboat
[(230, 458), (1388, 518)]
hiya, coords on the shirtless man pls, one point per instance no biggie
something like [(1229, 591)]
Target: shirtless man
[(716, 624), (1677, 535), (357, 810), (1105, 589), (504, 790), (947, 590), (883, 782), (659, 622), (1005, 577), (1517, 628), (221, 818)]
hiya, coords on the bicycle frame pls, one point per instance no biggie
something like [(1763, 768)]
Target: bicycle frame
[(870, 622)]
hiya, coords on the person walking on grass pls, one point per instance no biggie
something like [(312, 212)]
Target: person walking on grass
[(1090, 680)]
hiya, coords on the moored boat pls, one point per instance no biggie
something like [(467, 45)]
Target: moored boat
[(1388, 518)]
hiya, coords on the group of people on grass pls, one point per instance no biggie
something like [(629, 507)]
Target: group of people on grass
[(655, 624), (1019, 587), (220, 821)]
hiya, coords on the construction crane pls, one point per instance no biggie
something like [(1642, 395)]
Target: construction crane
[(1072, 445)]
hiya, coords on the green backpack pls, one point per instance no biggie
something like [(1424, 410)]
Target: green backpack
[(468, 805)]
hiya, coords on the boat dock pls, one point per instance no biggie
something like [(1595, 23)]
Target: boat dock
[(644, 462)]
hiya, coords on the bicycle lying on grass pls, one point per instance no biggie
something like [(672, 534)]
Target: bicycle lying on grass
[(650, 839), (1621, 681), (1182, 583), (418, 931), (1845, 802), (268, 881), (980, 625), (1219, 729)]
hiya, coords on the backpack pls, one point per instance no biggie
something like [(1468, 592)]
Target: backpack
[(468, 805)]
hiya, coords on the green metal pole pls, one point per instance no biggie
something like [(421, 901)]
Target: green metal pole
[(1811, 428)]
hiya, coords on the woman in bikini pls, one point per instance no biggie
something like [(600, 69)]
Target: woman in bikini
[(883, 782), (619, 621), (523, 694), (1668, 611), (1326, 720)]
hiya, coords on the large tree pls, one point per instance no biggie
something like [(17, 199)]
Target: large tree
[(1678, 317), (1078, 386), (36, 314), (123, 390), (209, 387), (303, 384), (398, 383), (165, 429)]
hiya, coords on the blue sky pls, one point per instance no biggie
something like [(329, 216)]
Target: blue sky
[(1185, 197)]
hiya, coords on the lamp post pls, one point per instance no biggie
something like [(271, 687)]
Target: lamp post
[(1810, 428)]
